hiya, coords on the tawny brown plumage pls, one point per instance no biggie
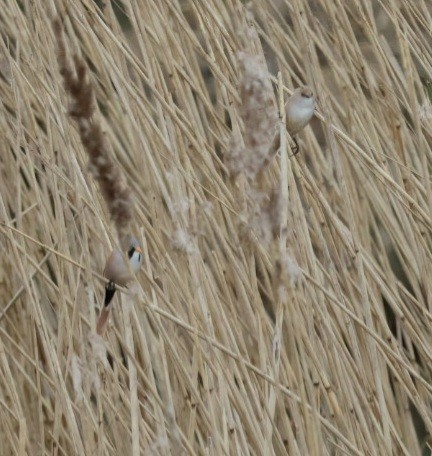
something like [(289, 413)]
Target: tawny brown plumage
[(299, 109), (119, 272), (116, 270)]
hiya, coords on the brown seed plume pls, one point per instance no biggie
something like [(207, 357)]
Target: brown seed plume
[(77, 83)]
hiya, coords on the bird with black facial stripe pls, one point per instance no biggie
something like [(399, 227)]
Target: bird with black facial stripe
[(118, 272)]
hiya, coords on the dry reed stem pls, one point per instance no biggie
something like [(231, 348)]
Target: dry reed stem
[(285, 312)]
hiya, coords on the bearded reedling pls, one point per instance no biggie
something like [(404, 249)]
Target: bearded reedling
[(118, 272), (299, 111)]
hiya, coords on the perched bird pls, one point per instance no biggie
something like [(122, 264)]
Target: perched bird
[(299, 111), (118, 272)]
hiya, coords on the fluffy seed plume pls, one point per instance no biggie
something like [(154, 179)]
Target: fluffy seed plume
[(259, 115), (101, 165), (263, 217)]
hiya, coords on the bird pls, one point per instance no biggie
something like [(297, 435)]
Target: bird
[(118, 272), (299, 110)]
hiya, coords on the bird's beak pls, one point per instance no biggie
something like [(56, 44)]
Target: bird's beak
[(138, 249)]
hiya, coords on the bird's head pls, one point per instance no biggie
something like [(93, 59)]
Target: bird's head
[(135, 254), (306, 92), (303, 98), (134, 247)]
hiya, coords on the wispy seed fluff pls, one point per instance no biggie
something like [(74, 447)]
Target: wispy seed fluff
[(263, 218), (101, 165), (181, 240), (248, 155)]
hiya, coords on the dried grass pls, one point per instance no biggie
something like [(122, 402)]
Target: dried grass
[(286, 311)]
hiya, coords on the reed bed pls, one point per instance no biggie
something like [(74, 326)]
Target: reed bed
[(285, 302)]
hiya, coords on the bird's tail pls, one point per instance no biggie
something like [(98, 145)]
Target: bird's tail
[(103, 317)]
